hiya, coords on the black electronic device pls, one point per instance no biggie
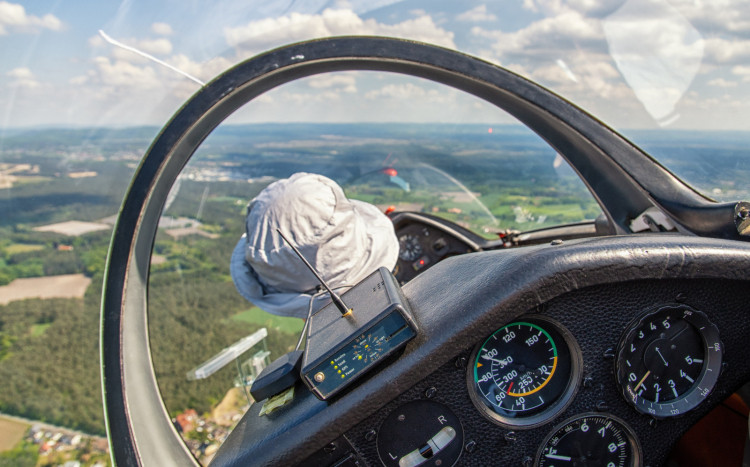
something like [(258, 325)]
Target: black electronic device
[(342, 348), (346, 341), (279, 375)]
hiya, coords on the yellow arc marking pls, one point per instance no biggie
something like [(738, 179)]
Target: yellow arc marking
[(517, 394), (642, 380)]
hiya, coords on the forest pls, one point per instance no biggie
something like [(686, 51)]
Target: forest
[(49, 349)]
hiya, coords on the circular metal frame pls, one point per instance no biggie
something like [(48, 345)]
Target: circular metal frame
[(557, 406), (704, 383), (408, 424), (635, 445)]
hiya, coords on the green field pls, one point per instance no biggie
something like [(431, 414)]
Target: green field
[(16, 248), (259, 317), (39, 329)]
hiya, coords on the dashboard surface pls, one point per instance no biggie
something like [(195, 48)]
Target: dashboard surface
[(596, 317), (592, 287)]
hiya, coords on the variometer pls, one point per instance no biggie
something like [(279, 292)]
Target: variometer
[(669, 361)]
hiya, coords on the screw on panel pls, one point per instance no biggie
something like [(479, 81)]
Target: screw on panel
[(439, 462), (471, 446), (330, 448), (430, 392), (556, 242), (461, 363), (370, 435), (401, 418), (588, 381), (510, 437), (653, 422), (609, 353), (742, 218), (602, 406), (527, 461)]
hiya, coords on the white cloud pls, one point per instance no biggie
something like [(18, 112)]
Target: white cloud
[(530, 5), (124, 68), (22, 78), (162, 29), (120, 73), (13, 17), (78, 80), (593, 78), (97, 42), (155, 46), (717, 16), (727, 51), (203, 70), (345, 82), (20, 73), (397, 91), (743, 71), (159, 46), (477, 14), (657, 50), (264, 34), (594, 8), (306, 98), (722, 83), (409, 94), (550, 37)]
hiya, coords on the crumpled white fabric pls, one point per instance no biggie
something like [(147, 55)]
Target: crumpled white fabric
[(345, 240)]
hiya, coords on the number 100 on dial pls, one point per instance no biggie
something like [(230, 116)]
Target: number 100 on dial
[(524, 372)]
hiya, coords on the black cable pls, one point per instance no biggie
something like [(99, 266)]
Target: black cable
[(309, 312)]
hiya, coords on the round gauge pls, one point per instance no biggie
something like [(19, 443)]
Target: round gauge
[(591, 439), (420, 432), (525, 373), (668, 361), (409, 247)]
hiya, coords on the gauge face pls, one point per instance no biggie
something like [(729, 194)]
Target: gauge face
[(421, 432), (409, 247), (591, 439), (669, 361), (525, 373)]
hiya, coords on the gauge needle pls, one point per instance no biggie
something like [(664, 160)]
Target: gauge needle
[(643, 379), (510, 386), (556, 457), (662, 357), (502, 363)]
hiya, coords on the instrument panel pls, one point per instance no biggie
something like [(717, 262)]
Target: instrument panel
[(425, 240), (564, 401), (663, 362)]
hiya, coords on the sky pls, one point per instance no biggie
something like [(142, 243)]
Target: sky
[(682, 64)]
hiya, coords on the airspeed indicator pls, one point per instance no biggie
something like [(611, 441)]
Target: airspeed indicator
[(525, 372)]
